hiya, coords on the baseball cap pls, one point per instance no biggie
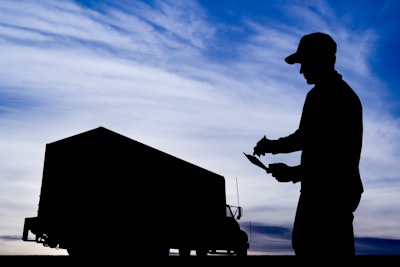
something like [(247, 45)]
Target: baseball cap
[(313, 45)]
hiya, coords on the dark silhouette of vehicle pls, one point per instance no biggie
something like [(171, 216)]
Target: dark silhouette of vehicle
[(105, 194)]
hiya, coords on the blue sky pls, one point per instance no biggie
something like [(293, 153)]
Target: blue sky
[(200, 80)]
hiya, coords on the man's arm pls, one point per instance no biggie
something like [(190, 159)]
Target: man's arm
[(288, 144), (284, 173)]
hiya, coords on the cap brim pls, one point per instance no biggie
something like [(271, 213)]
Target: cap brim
[(293, 58)]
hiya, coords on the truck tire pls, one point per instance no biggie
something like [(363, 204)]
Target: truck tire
[(185, 252), (241, 252), (201, 252), (161, 251)]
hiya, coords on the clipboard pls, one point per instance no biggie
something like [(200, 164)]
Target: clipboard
[(256, 161)]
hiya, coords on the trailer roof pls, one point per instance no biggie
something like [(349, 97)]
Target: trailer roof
[(103, 136)]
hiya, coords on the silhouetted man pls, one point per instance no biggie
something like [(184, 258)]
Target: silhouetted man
[(329, 137)]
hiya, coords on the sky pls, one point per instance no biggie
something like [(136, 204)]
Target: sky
[(200, 80)]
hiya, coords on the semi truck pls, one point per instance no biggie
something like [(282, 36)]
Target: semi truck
[(103, 193)]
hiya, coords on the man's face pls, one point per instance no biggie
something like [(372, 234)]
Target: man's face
[(311, 71)]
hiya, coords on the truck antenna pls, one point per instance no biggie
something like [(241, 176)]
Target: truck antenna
[(237, 191)]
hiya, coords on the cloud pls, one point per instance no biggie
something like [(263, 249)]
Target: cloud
[(10, 238), (276, 240)]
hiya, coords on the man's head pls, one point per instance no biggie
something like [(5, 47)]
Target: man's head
[(314, 47), (317, 55)]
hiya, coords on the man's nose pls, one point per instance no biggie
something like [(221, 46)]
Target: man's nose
[(301, 69)]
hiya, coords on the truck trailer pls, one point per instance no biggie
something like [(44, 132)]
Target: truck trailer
[(103, 193)]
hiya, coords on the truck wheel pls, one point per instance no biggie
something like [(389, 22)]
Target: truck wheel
[(71, 251), (202, 252), (184, 252), (161, 251), (75, 251), (241, 252)]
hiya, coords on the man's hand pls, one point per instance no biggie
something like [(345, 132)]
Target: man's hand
[(281, 172), (263, 146)]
